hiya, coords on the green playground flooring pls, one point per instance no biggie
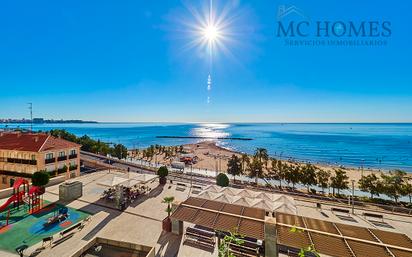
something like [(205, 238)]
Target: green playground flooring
[(28, 229)]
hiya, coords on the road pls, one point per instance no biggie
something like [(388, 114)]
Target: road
[(198, 179)]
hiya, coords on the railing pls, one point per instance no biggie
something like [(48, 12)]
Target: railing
[(62, 170), (62, 158), (20, 161), (72, 156), (51, 160)]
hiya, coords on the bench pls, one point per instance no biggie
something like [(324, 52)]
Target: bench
[(61, 240), (202, 237), (248, 248), (180, 186), (373, 215), (340, 210), (196, 189), (70, 229)]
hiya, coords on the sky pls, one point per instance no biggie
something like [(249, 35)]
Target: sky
[(133, 61)]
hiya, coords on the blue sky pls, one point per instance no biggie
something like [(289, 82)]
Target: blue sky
[(126, 61)]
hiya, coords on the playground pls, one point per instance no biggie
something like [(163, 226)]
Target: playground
[(25, 219)]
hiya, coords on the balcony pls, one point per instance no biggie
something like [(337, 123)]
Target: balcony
[(61, 158), (51, 160), (20, 161), (73, 156)]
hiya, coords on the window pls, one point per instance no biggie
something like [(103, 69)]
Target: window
[(73, 152), (49, 156), (4, 180), (62, 154), (33, 157)]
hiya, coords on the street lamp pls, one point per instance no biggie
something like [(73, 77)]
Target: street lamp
[(363, 160), (353, 196)]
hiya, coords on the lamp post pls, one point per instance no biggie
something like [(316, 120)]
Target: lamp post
[(353, 196), (363, 160), (191, 175)]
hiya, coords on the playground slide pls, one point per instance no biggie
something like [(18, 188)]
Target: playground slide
[(10, 200)]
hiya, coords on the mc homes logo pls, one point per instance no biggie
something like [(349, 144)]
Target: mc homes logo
[(298, 30)]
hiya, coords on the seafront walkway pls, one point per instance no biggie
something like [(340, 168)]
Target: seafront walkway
[(200, 176)]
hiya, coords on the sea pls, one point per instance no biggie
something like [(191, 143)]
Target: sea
[(385, 146)]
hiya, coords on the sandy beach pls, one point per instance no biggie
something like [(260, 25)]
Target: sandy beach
[(213, 157)]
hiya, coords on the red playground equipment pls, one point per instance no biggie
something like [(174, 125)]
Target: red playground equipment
[(31, 196)]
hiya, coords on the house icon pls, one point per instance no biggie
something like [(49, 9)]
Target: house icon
[(284, 11)]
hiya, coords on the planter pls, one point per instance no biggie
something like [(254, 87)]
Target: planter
[(167, 225), (162, 180)]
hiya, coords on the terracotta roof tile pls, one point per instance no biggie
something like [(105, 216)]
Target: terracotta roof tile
[(32, 142)]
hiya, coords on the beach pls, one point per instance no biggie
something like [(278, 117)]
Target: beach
[(212, 157)]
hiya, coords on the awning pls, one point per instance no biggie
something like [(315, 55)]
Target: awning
[(222, 216), (113, 181)]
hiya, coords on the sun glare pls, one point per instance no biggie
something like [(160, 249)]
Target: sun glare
[(211, 33)]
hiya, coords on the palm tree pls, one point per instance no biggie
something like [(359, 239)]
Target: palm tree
[(295, 174), (281, 169), (234, 167), (339, 181), (169, 200), (244, 159), (255, 169), (262, 155), (323, 178), (308, 175)]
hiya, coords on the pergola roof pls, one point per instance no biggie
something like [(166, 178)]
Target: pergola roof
[(249, 198), (222, 216), (336, 239), (113, 181)]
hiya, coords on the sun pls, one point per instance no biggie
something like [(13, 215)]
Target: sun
[(211, 33)]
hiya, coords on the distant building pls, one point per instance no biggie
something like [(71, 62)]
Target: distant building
[(22, 154)]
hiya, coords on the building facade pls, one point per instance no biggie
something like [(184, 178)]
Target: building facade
[(22, 154)]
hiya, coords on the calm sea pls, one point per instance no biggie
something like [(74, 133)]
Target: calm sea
[(382, 146)]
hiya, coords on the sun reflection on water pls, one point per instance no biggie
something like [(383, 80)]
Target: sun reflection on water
[(211, 131)]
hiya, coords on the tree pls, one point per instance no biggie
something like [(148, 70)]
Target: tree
[(407, 190), (308, 175), (323, 178), (234, 166), (339, 181), (371, 184), (255, 169), (162, 172), (229, 240), (119, 151), (393, 184), (262, 155), (40, 178), (280, 170), (245, 160), (294, 174), (169, 200), (222, 180)]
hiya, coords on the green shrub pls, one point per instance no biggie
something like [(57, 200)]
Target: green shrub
[(162, 171), (40, 178), (222, 180)]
